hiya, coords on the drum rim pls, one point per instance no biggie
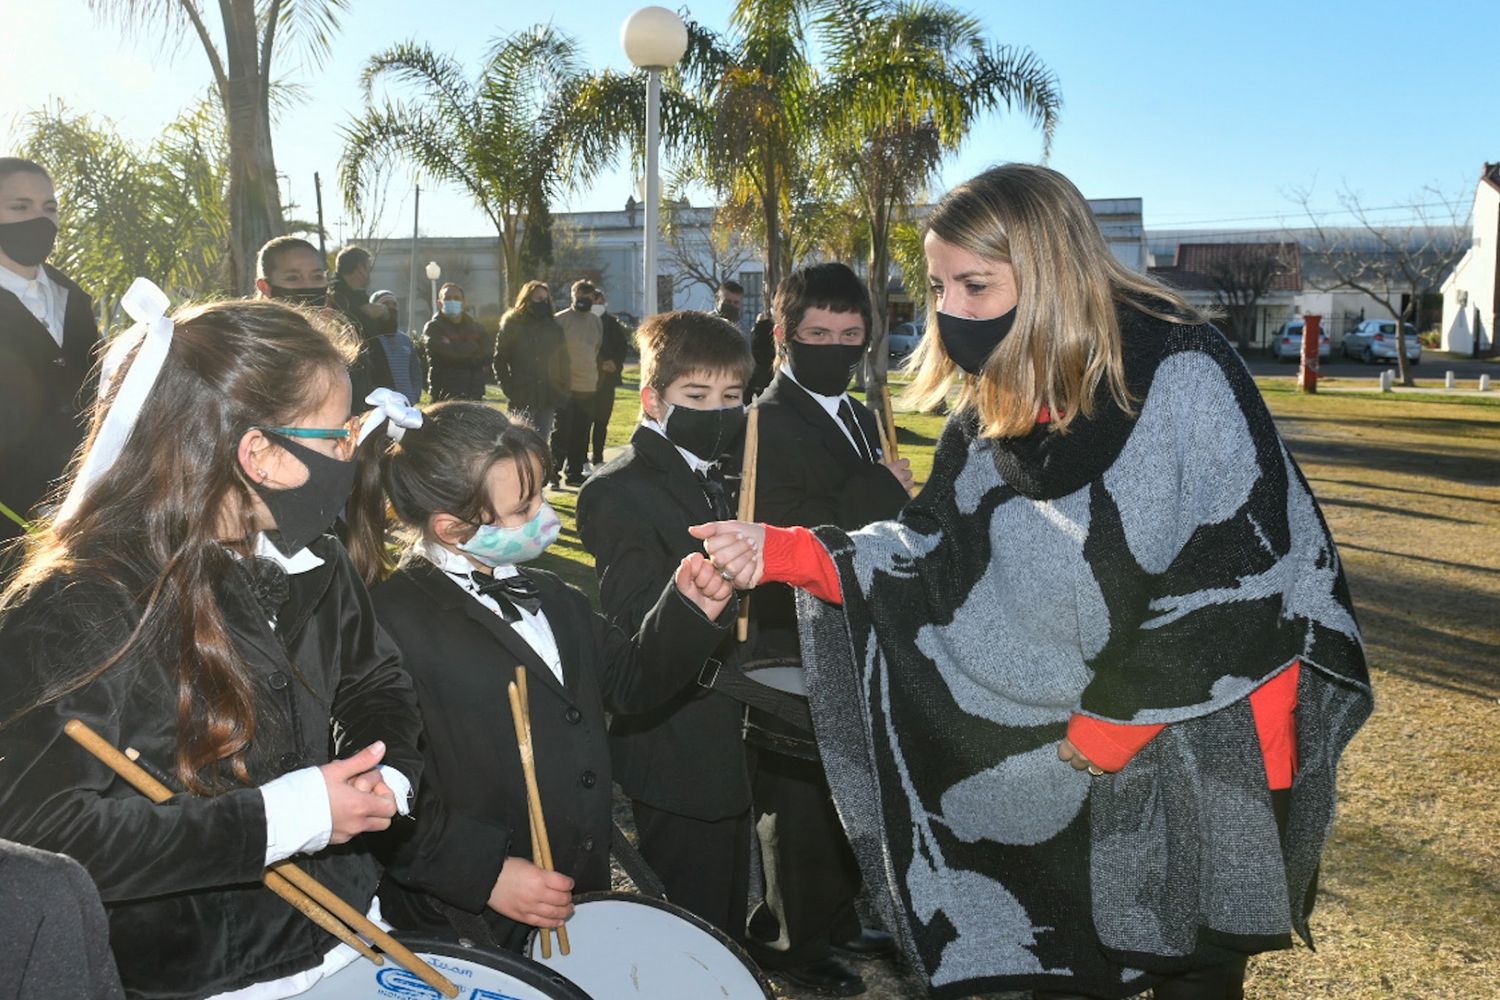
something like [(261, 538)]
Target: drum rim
[(526, 969), (733, 946)]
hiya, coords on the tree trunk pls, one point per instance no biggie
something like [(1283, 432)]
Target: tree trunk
[(1403, 371), (770, 210), (254, 199), (879, 278)]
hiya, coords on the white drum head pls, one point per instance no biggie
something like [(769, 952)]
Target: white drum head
[(479, 973), (627, 946), (792, 680)]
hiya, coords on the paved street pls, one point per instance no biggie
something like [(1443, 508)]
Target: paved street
[(1434, 364)]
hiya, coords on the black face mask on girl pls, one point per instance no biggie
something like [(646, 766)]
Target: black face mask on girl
[(304, 512), (706, 433), (28, 242), (824, 368), (970, 342), (299, 296)]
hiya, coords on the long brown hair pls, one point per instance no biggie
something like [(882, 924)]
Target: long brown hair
[(153, 526), (524, 296), (1066, 338)]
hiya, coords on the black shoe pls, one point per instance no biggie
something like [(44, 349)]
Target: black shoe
[(828, 976), (575, 481), (871, 943)]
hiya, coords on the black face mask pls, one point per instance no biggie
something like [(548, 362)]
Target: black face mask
[(29, 242), (970, 342), (299, 296), (729, 312), (824, 368), (304, 512), (706, 433), (583, 306), (540, 308), (384, 326)]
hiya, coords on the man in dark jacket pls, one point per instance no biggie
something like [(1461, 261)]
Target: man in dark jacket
[(48, 342), (350, 295), (457, 347), (612, 351)]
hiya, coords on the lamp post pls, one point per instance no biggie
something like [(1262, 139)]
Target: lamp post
[(433, 274), (653, 38)]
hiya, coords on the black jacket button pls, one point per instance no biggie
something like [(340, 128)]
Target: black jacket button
[(588, 844), (279, 681), (588, 779), (289, 761), (572, 715)]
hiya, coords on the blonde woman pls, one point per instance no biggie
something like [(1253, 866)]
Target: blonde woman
[(1055, 698)]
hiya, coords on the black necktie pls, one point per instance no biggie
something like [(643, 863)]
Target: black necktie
[(510, 592), (717, 493), (846, 417)]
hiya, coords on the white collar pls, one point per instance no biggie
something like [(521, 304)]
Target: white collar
[(300, 561), (14, 283), (694, 462), (456, 564), (829, 403)]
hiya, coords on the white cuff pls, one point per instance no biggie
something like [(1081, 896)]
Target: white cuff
[(398, 784), (299, 819)]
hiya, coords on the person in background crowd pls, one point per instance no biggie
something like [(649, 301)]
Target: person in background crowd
[(289, 269), (763, 352), (48, 340), (349, 294), (729, 300), (408, 374), (457, 347), (583, 332), (54, 936), (612, 351), (531, 360)]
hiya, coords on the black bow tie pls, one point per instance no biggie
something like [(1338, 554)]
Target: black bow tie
[(268, 582), (510, 592), (716, 491)]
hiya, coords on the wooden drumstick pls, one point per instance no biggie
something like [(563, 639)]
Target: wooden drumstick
[(521, 716), (304, 895), (523, 734), (888, 428), (747, 504)]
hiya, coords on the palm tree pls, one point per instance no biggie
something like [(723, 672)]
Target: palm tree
[(253, 32), (504, 136), (904, 83)]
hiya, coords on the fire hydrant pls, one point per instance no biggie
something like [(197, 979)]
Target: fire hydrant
[(1312, 335)]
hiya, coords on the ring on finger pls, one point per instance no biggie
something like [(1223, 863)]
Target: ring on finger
[(1095, 771)]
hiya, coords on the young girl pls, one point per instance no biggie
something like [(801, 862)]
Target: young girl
[(465, 612), (186, 601)]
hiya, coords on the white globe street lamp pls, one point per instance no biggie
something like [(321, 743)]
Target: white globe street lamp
[(433, 274), (654, 38)]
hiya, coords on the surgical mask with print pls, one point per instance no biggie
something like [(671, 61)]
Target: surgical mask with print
[(495, 545), (453, 307), (598, 308), (28, 242), (708, 434), (970, 342)]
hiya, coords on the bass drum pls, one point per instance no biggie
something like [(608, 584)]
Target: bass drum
[(630, 946), (480, 973)]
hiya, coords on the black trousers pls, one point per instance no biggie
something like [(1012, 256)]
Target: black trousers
[(703, 864), (604, 405), (811, 876), (570, 441)]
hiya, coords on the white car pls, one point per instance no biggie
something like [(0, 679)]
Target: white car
[(903, 339), (1287, 344), (1375, 340)]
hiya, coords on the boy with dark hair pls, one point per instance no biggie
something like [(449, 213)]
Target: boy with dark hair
[(826, 467), (683, 765), (290, 269), (48, 340)]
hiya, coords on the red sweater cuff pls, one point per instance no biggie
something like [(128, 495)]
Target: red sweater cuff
[(1109, 745), (795, 556)]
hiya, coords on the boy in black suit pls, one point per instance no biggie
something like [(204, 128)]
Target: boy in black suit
[(682, 765), (48, 340), (819, 463)]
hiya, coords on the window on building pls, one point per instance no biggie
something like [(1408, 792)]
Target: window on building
[(755, 297), (664, 289)]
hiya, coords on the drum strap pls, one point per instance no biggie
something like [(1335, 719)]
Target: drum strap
[(468, 926), (730, 680), (647, 882)]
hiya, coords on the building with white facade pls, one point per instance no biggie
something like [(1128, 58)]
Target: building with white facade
[(1471, 295)]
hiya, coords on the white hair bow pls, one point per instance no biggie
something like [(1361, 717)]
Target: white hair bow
[(391, 406), (152, 332)]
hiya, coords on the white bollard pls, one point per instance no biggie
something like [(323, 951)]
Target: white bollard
[(1387, 379), (1450, 381), (1484, 383)]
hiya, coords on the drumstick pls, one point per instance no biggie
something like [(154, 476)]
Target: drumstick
[(521, 714), (282, 884), (747, 503), (888, 427), (524, 727)]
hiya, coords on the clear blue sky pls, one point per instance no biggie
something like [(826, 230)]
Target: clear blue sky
[(1210, 111)]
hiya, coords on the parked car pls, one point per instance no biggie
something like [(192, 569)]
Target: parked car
[(904, 338), (1375, 340), (1287, 344)]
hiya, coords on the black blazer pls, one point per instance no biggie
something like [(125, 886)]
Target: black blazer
[(180, 882), (472, 812), (613, 346), (685, 757), (809, 474), (45, 395)]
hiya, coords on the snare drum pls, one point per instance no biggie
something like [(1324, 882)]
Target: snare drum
[(630, 946), (480, 973), (780, 720)]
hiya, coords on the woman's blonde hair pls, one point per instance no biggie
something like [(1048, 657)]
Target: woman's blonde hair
[(1066, 336)]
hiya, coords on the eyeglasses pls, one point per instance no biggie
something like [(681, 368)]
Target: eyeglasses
[(344, 438)]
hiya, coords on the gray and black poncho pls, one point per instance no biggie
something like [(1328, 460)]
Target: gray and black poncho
[(1154, 568)]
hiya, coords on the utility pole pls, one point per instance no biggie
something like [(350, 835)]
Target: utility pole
[(411, 288), (318, 188)]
